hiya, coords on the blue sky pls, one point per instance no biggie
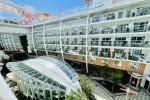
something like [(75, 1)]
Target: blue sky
[(48, 6)]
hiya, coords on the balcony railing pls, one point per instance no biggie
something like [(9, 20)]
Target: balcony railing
[(105, 54), (107, 30), (138, 28), (94, 31), (122, 30), (106, 43), (82, 51), (121, 43)]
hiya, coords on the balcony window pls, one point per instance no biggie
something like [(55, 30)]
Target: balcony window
[(134, 54), (105, 52), (120, 15), (104, 61), (119, 55), (107, 30), (117, 63), (94, 31), (83, 32), (137, 41), (92, 59), (95, 19), (83, 58), (142, 11), (140, 27), (128, 13), (75, 56), (119, 50), (75, 32), (106, 42), (83, 42), (120, 41), (109, 16), (67, 55), (122, 29), (134, 65), (94, 41), (94, 51), (83, 51), (75, 49)]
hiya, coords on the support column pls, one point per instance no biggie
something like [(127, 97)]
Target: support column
[(8, 36), (61, 40), (33, 42), (51, 94), (13, 42), (58, 95), (138, 83), (2, 41), (44, 39), (87, 31)]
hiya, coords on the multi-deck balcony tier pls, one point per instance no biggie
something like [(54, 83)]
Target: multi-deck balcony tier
[(116, 35), (113, 33)]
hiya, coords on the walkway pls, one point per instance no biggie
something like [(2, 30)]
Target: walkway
[(140, 96), (98, 93)]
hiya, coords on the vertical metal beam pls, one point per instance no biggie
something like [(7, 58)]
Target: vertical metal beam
[(61, 40), (13, 42), (58, 95), (5, 42), (33, 41), (9, 38), (44, 39), (87, 31), (51, 95), (1, 41)]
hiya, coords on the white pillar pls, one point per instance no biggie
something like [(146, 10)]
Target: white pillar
[(44, 38), (33, 42), (87, 27), (61, 40)]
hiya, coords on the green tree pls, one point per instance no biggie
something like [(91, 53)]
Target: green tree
[(85, 84), (76, 96), (115, 76), (86, 87), (104, 72)]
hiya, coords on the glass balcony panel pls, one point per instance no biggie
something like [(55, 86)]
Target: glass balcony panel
[(107, 30), (95, 19), (105, 54), (94, 31), (109, 16), (140, 27), (120, 43), (106, 43)]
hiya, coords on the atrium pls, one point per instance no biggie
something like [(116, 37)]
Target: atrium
[(99, 51)]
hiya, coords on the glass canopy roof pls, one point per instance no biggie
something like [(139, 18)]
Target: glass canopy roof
[(48, 72), (63, 66)]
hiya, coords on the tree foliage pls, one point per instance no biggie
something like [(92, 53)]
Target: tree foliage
[(86, 87), (104, 71), (115, 77), (76, 96), (85, 84)]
